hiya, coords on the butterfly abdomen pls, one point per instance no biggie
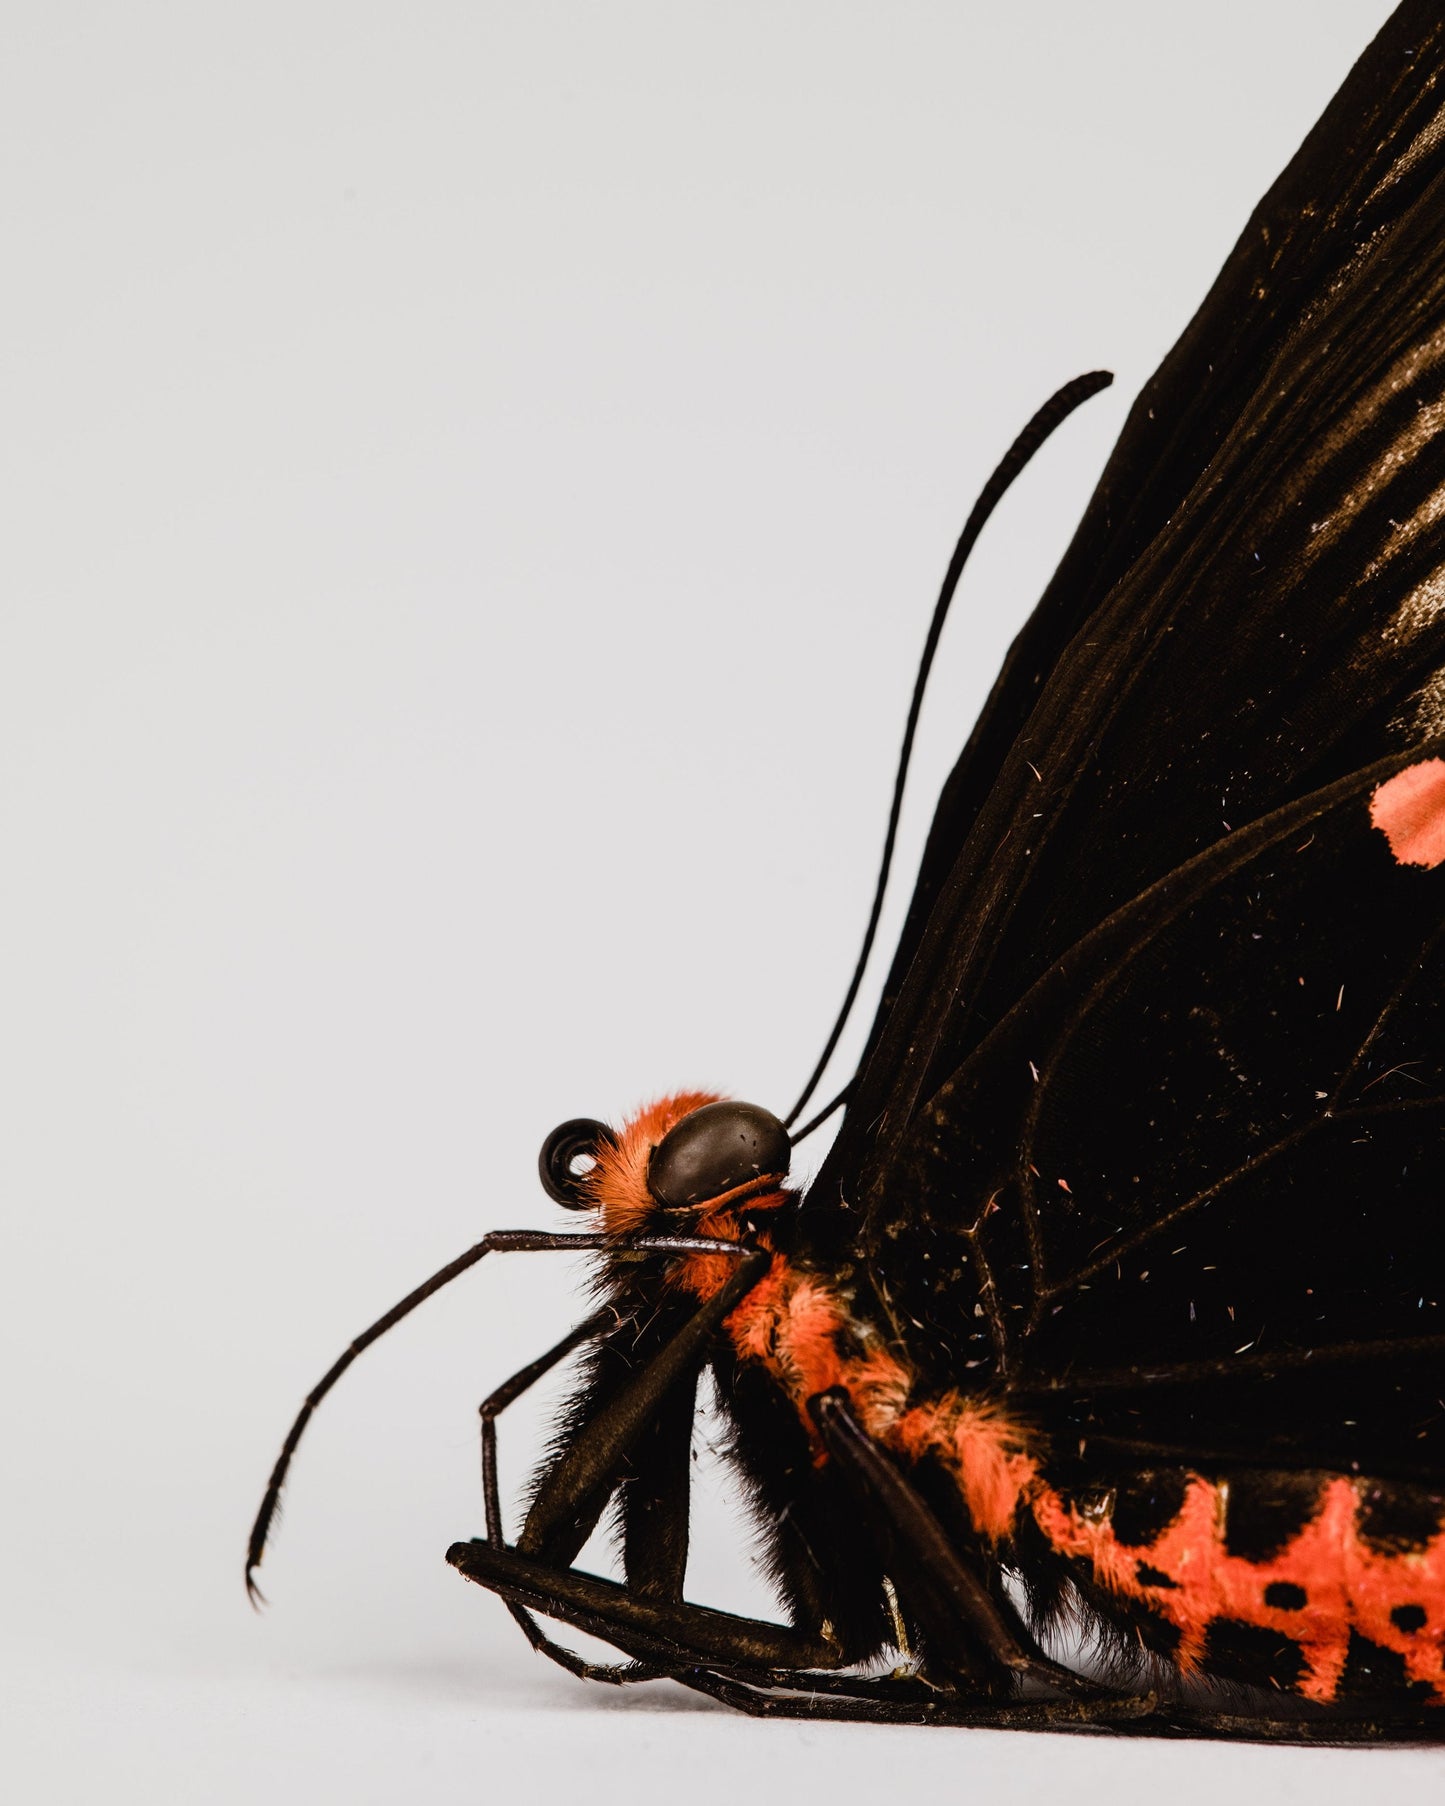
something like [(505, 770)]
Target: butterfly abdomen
[(1327, 1585), (1323, 1584)]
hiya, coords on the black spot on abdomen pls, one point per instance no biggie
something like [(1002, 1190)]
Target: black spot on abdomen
[(1374, 1673), (1146, 1504), (1266, 1511), (1155, 1632), (1399, 1520), (1249, 1652)]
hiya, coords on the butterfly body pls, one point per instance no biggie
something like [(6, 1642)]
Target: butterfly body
[(1325, 1584)]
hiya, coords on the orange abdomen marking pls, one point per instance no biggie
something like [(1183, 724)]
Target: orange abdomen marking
[(1320, 1584), (1342, 1588)]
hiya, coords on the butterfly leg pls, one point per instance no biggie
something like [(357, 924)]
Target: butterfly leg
[(576, 1488), (860, 1699), (958, 1613), (653, 1489), (493, 1405), (765, 1670), (638, 1441), (498, 1241), (762, 1669), (661, 1633), (491, 1408), (1322, 1724), (857, 1699)]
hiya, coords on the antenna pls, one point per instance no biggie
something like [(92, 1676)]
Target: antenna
[(1051, 415)]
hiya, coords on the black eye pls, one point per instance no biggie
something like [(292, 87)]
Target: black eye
[(568, 1155), (716, 1148)]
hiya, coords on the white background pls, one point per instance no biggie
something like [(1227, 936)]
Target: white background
[(476, 477)]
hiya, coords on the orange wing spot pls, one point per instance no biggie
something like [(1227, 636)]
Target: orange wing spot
[(1409, 810)]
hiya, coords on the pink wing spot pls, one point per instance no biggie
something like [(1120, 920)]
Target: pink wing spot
[(1409, 810)]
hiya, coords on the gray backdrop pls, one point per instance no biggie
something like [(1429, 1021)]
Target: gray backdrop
[(454, 455)]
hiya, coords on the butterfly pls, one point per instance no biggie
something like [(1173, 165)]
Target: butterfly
[(1119, 1299)]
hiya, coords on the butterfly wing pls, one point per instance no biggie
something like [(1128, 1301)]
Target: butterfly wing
[(1361, 171), (1205, 1152), (1246, 639)]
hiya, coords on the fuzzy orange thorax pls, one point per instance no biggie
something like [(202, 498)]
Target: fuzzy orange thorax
[(617, 1184)]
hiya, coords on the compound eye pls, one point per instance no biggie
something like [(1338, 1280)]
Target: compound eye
[(567, 1158), (715, 1149)]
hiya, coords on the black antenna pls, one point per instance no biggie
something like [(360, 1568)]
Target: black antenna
[(817, 1121), (1051, 415)]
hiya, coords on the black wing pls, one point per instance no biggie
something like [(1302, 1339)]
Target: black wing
[(1245, 640)]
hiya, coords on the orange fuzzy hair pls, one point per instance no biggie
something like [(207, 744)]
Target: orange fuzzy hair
[(617, 1185)]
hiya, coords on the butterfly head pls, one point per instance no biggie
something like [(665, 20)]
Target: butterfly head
[(694, 1163)]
